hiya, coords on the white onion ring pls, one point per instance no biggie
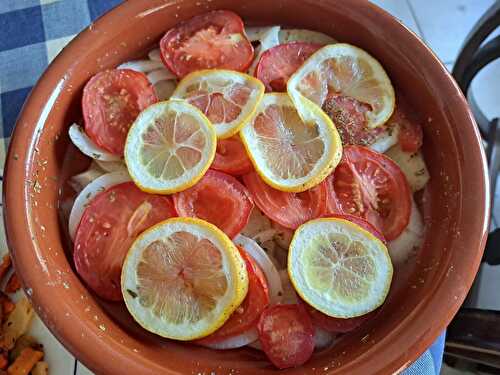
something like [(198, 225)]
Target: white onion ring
[(98, 185), (265, 235), (111, 166), (257, 222), (164, 89), (234, 342), (143, 66), (79, 181), (265, 263), (322, 338), (289, 296), (410, 240), (268, 38), (87, 146), (385, 140), (304, 35), (161, 74), (155, 55), (257, 33), (256, 345)]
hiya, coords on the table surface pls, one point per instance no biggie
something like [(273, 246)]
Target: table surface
[(32, 33)]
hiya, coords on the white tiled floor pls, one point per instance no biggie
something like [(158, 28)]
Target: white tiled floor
[(443, 25)]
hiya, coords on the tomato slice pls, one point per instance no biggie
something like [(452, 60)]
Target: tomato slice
[(109, 225), (348, 115), (278, 63), (370, 185), (411, 135), (231, 157), (111, 101), (286, 334), (247, 315), (219, 199), (288, 209), (361, 222), (214, 40), (337, 325)]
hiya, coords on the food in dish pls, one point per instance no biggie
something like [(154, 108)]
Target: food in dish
[(226, 216)]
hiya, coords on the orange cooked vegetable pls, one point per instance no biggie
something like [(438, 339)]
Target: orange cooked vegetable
[(6, 305), (4, 266), (13, 285), (25, 362), (4, 361)]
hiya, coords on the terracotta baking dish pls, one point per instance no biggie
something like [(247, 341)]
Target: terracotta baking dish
[(105, 338)]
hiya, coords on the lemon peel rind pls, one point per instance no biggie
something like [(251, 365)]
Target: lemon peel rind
[(133, 144), (333, 50), (232, 262), (224, 131), (327, 162), (379, 288)]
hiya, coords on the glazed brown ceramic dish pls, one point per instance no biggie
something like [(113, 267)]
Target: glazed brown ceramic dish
[(105, 338)]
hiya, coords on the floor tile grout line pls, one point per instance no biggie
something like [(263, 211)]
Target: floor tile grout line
[(414, 15), (74, 368)]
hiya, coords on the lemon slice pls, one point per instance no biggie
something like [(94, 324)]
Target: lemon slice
[(342, 69), (226, 97), (291, 153), (182, 279), (169, 147), (339, 268)]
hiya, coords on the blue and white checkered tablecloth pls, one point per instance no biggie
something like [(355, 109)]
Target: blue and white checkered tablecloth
[(32, 33)]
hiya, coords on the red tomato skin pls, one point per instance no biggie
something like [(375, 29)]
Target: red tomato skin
[(287, 209), (231, 157), (218, 198), (337, 325), (348, 115), (216, 21), (410, 136), (396, 217), (100, 244), (278, 63), (286, 334), (360, 222), (248, 313), (108, 129)]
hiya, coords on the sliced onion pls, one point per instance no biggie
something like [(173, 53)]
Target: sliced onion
[(264, 236), (79, 181), (155, 55), (111, 166), (322, 338), (256, 345), (143, 66), (413, 166), (242, 339), (90, 191), (410, 240), (257, 33), (267, 266), (258, 222), (387, 139), (283, 236), (87, 146), (289, 296), (306, 36), (164, 89), (268, 39), (158, 75)]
